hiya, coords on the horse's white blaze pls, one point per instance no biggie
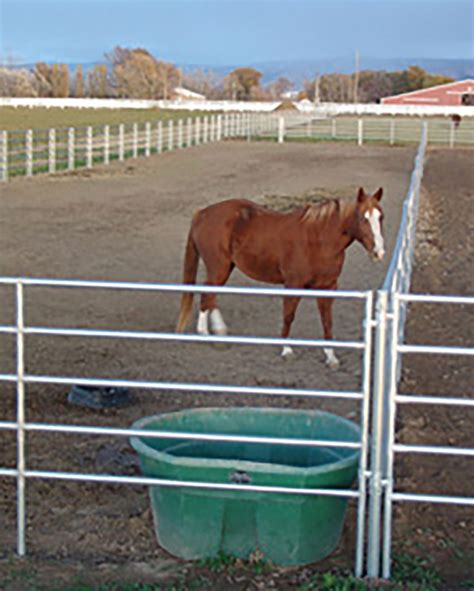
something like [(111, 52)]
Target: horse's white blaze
[(331, 358), (286, 351), (218, 326), (374, 220), (202, 324)]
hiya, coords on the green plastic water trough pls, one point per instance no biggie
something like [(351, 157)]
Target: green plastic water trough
[(195, 523)]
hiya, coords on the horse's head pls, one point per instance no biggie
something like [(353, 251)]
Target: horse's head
[(369, 217)]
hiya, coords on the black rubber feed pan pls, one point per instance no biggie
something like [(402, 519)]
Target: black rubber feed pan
[(99, 397)]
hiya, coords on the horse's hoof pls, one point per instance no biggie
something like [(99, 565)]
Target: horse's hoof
[(333, 364), (287, 354)]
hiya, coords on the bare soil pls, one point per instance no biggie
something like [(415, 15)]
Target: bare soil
[(129, 223)]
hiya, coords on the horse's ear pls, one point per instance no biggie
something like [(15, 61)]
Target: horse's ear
[(361, 196), (378, 194)]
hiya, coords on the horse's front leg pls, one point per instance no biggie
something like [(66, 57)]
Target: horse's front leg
[(325, 311), (289, 310)]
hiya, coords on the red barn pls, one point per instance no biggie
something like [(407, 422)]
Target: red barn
[(454, 93)]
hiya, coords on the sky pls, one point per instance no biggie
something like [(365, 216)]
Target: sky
[(235, 32)]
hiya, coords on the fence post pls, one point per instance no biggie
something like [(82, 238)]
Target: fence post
[(378, 416), (198, 131), (106, 144), (392, 131), (219, 128), (4, 157), (121, 142), (451, 135), (89, 147), (20, 418), (189, 139), (159, 137), (147, 138), (333, 128), (135, 140), (52, 150), (170, 135), (29, 152), (281, 130), (70, 148), (205, 130), (360, 132), (180, 133)]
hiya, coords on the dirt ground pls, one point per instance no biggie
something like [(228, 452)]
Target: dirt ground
[(129, 223)]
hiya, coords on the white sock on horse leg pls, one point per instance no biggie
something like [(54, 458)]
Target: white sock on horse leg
[(287, 351), (331, 359), (218, 326), (202, 323)]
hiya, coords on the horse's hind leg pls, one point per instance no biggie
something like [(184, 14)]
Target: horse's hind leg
[(325, 311), (210, 318), (289, 310)]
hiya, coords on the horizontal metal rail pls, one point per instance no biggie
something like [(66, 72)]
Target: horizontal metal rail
[(445, 400), (433, 449), (435, 350), (111, 431), (106, 479), (434, 299), (449, 500), (177, 288), (191, 338), (183, 387)]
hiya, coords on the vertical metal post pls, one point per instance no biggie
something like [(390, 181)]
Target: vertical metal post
[(360, 132), (205, 130), (52, 150), (147, 138), (89, 147), (70, 149), (333, 127), (390, 434), (20, 419), (219, 128), (135, 140), (451, 135), (170, 135), (121, 142), (106, 144), (364, 412), (281, 130), (159, 137), (392, 131), (375, 485), (29, 152), (4, 157)]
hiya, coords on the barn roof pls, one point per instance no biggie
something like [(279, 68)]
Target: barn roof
[(464, 86)]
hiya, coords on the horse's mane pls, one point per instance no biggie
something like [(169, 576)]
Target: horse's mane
[(324, 210)]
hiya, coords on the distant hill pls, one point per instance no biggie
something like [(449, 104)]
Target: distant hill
[(298, 71)]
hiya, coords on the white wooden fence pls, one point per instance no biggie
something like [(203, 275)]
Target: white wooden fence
[(29, 152)]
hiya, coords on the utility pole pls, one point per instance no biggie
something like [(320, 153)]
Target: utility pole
[(356, 76), (316, 90)]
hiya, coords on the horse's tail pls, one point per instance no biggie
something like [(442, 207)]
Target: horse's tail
[(191, 261)]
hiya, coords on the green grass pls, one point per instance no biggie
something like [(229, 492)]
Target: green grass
[(19, 118)]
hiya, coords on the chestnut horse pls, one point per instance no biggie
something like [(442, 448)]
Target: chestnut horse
[(301, 249)]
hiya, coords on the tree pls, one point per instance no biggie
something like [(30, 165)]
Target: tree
[(279, 87), (79, 85), (242, 82), (17, 83), (136, 73), (97, 79)]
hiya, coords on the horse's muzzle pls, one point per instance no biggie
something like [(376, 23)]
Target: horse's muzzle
[(378, 255)]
